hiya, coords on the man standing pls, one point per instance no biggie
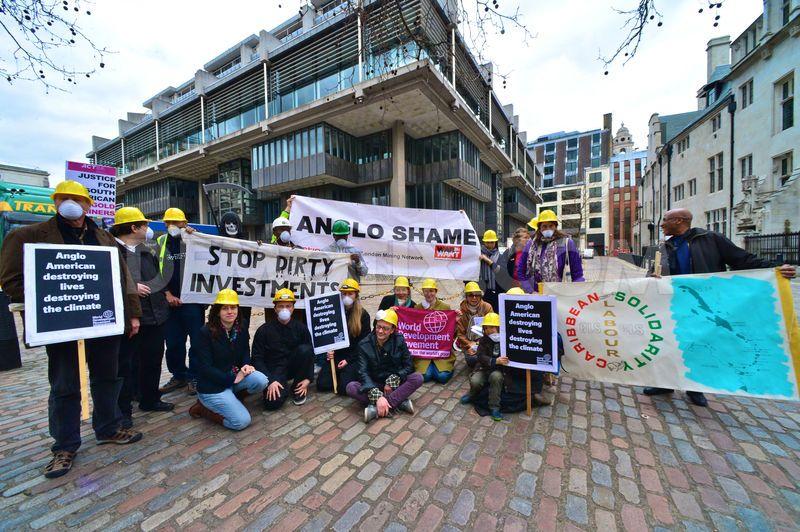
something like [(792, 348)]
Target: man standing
[(694, 250), (341, 232), (72, 226), (185, 319)]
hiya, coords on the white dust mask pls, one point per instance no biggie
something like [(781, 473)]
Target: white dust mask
[(548, 233), (70, 209), (284, 315), (174, 231), (495, 337)]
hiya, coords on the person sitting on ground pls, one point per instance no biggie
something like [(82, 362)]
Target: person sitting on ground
[(358, 325), (489, 367), (282, 350), (224, 373), (386, 377), (401, 296), (440, 370), (472, 307)]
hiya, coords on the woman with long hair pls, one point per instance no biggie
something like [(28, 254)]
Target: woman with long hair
[(547, 255), (358, 327), (223, 365)]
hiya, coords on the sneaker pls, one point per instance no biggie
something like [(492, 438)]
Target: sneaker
[(466, 399), (541, 400), (60, 465), (158, 406), (650, 390), (121, 437), (172, 385), (370, 413), (191, 388), (697, 398), (299, 399), (406, 406), (496, 414)]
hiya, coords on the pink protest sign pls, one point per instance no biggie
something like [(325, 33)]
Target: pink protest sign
[(101, 181), (428, 333)]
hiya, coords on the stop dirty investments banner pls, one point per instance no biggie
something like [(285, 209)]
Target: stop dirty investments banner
[(394, 241), (256, 271), (428, 333), (100, 181), (729, 333)]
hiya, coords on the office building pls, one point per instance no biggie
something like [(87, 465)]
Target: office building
[(24, 176)]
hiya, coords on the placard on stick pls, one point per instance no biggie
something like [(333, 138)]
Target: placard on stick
[(327, 322), (71, 293), (528, 332)]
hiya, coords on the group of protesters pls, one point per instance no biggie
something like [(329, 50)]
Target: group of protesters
[(226, 365)]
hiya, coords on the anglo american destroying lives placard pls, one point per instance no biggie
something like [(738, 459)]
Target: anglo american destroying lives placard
[(528, 332), (327, 322)]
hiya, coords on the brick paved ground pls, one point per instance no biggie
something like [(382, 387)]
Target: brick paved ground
[(603, 457)]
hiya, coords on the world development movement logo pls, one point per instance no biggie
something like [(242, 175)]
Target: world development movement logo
[(435, 322)]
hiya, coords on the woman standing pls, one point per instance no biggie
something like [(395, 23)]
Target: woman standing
[(547, 255), (358, 327), (509, 259), (223, 366)]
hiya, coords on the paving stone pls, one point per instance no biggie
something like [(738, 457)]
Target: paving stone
[(576, 509), (351, 517), (463, 507)]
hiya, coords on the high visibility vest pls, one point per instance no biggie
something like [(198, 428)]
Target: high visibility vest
[(162, 244)]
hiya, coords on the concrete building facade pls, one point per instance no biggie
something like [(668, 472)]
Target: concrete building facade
[(733, 162), (382, 103), (24, 176)]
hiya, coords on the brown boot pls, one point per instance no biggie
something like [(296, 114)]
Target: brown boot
[(541, 400), (197, 410)]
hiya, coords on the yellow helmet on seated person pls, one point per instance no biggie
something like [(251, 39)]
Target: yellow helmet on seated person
[(492, 319), (388, 315), (401, 282), (284, 295), (349, 284), (430, 284), (472, 287), (226, 296), (516, 291)]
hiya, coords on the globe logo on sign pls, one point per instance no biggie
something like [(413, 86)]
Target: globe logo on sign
[(108, 314), (435, 322)]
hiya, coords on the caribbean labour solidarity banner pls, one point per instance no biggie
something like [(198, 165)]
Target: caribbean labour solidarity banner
[(428, 333), (256, 271), (394, 241), (729, 333)]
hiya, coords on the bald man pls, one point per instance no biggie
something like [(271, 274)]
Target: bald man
[(695, 250)]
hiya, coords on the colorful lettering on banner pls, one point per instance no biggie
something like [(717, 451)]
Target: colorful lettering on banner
[(731, 332), (428, 333), (394, 241), (256, 271), (100, 181)]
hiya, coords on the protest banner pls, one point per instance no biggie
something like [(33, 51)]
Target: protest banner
[(256, 271), (327, 322), (528, 332), (394, 241), (100, 181), (728, 333), (71, 293), (428, 333)]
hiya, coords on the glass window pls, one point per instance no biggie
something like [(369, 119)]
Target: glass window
[(305, 94), (328, 84), (595, 177), (595, 207), (550, 196), (572, 143), (595, 223), (287, 101), (595, 192)]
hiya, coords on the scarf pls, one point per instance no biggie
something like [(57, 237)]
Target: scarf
[(543, 265)]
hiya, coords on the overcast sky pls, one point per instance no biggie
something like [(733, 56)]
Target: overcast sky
[(555, 83)]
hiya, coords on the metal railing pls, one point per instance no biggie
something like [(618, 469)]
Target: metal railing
[(779, 247)]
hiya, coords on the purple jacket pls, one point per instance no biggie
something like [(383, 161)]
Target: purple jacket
[(575, 266)]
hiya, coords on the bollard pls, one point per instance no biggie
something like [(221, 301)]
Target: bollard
[(9, 346)]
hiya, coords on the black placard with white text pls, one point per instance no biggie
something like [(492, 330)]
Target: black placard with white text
[(528, 334), (327, 322)]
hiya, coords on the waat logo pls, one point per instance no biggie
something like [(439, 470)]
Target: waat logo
[(447, 252)]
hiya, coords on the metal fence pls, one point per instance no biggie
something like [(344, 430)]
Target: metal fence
[(780, 247)]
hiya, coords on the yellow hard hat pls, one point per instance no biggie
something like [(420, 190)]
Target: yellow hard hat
[(350, 284), (491, 320), (429, 283), (534, 223), (284, 294), (472, 287), (547, 216), (401, 282), (226, 296), (490, 236), (174, 214), (127, 215), (516, 291), (389, 316), (72, 188)]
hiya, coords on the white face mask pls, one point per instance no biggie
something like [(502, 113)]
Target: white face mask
[(495, 337), (284, 315), (285, 237), (425, 304), (341, 242), (348, 301), (149, 235), (174, 231), (70, 209), (548, 233)]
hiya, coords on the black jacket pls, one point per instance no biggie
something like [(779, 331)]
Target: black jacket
[(143, 266), (350, 353), (375, 364), (389, 301), (711, 252), (217, 359), (487, 354), (274, 344)]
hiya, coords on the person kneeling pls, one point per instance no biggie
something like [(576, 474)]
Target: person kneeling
[(222, 364), (282, 351), (488, 367), (385, 371)]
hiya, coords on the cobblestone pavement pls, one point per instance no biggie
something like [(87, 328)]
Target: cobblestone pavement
[(603, 457)]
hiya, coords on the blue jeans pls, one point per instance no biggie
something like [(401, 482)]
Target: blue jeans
[(235, 414), (433, 373), (185, 320)]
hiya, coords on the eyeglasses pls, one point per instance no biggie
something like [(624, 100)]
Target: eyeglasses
[(383, 328)]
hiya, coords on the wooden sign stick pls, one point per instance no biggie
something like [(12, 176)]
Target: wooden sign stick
[(528, 390), (657, 269), (333, 374), (83, 375)]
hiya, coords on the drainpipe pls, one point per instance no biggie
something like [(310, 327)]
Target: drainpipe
[(731, 111), (660, 199), (360, 46), (158, 155), (202, 119), (669, 176)]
